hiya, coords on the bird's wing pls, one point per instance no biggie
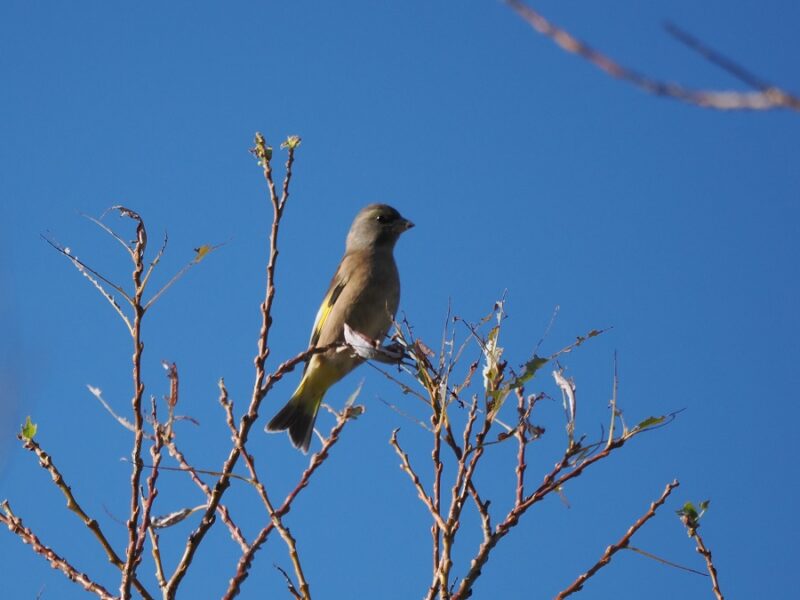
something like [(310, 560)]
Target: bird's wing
[(338, 284)]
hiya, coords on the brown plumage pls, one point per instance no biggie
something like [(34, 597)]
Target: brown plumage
[(364, 293)]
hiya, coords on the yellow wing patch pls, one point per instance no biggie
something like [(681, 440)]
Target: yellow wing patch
[(325, 309)]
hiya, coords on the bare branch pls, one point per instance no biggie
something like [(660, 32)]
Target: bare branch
[(764, 99), (405, 465), (249, 462), (98, 393), (133, 551), (716, 58), (623, 542), (260, 387), (14, 524), (243, 568), (94, 278), (110, 232), (690, 520), (46, 462), (179, 275)]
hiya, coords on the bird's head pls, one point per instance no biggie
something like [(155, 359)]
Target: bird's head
[(375, 226)]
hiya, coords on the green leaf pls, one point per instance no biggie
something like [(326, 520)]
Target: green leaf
[(650, 421), (704, 505), (688, 510), (292, 142), (529, 370), (28, 430)]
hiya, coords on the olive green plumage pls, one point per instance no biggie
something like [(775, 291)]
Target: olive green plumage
[(364, 293)]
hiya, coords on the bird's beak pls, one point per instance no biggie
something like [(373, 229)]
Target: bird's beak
[(405, 225)]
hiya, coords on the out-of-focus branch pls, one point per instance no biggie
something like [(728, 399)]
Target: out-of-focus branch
[(766, 98), (623, 542), (14, 524)]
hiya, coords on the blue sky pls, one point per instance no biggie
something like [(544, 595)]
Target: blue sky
[(524, 168)]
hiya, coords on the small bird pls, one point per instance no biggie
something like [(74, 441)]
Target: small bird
[(364, 293)]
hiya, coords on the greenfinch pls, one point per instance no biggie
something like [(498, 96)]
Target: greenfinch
[(364, 294)]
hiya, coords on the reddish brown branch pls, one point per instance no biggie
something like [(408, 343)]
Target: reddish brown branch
[(15, 525), (763, 99), (552, 481), (691, 524), (260, 387), (245, 562), (623, 542), (712, 571), (291, 543), (46, 462), (405, 465), (222, 510)]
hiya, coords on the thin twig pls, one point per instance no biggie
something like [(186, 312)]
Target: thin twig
[(578, 584), (246, 560), (94, 278), (291, 543), (132, 553), (152, 489), (712, 571), (664, 561), (260, 387), (222, 510), (15, 525), (405, 465), (289, 583), (98, 393), (714, 57), (110, 232), (691, 523), (764, 99), (46, 462), (553, 481)]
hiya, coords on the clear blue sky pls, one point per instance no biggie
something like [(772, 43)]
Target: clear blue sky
[(525, 170)]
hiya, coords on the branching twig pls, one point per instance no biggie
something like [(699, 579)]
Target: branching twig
[(224, 514), (94, 278), (405, 465), (765, 98), (577, 585), (132, 556), (249, 462), (690, 521), (152, 489), (46, 462), (14, 524), (264, 155), (243, 568)]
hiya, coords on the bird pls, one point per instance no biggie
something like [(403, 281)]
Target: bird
[(364, 293)]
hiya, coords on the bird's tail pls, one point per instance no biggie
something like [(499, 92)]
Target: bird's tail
[(299, 414)]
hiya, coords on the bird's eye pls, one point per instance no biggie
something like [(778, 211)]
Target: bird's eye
[(382, 218)]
